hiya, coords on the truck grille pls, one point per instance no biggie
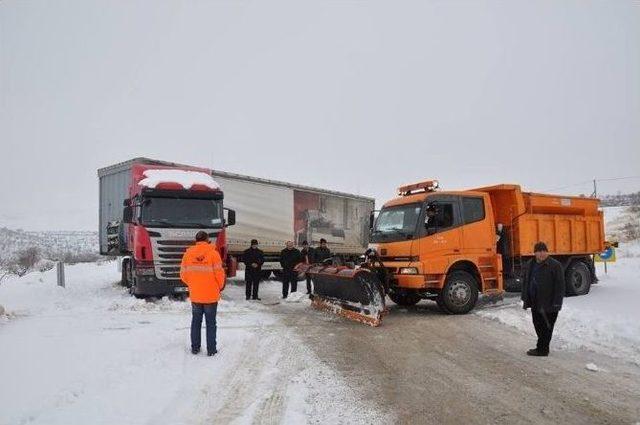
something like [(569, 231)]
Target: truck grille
[(169, 245)]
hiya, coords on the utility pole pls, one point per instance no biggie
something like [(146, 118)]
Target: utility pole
[(595, 189)]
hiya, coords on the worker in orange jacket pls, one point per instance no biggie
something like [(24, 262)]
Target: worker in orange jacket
[(201, 270)]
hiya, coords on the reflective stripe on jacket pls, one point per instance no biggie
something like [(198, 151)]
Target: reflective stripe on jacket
[(201, 270)]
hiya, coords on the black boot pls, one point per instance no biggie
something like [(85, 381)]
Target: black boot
[(536, 353)]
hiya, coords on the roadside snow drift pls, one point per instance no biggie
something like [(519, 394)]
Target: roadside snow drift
[(607, 320)]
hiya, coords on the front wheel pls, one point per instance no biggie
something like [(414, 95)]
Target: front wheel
[(578, 279), (127, 275), (405, 299), (460, 292)]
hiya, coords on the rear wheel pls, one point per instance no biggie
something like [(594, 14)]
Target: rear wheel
[(405, 299), (460, 292), (578, 278)]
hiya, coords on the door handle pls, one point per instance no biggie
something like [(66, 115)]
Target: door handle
[(456, 250)]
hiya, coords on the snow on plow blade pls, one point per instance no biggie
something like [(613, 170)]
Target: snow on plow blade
[(356, 294)]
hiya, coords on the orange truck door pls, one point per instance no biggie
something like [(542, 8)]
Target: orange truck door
[(478, 233), (441, 236)]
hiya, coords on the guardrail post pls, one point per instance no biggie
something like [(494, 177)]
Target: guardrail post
[(60, 273)]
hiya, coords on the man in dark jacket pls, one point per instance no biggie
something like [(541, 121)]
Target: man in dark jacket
[(308, 257), (253, 258), (542, 291), (322, 252), (289, 258)]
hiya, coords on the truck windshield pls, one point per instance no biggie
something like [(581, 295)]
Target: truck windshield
[(396, 223), (181, 212)]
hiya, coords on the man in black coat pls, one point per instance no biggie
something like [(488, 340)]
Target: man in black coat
[(289, 258), (253, 259), (322, 252), (308, 257), (543, 290)]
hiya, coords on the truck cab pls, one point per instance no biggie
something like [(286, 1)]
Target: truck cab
[(162, 207), (438, 245)]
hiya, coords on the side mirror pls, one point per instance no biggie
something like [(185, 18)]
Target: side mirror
[(372, 220), (127, 214), (231, 217)]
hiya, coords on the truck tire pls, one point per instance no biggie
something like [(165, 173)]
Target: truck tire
[(405, 299), (278, 275), (440, 303), (578, 278), (460, 292), (126, 273)]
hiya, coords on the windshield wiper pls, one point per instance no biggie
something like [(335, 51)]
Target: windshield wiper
[(159, 223), (198, 225)]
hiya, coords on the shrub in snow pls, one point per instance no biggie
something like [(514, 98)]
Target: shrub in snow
[(2, 310), (80, 257), (26, 260), (44, 265)]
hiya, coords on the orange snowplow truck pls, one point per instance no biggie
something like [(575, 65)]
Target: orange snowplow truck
[(450, 246)]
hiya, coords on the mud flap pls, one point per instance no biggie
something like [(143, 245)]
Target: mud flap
[(356, 294)]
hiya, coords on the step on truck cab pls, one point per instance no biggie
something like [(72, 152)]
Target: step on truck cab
[(452, 245), (150, 212)]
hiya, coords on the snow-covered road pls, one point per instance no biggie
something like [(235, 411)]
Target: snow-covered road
[(91, 354)]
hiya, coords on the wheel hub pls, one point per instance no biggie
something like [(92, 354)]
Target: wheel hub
[(459, 293)]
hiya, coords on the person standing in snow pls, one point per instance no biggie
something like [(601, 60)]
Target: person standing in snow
[(289, 258), (308, 257), (543, 289), (253, 259), (322, 252), (201, 270)]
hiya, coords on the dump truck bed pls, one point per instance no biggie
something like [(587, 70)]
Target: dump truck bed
[(569, 225)]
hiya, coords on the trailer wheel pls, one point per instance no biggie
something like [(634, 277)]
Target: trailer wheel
[(405, 299), (578, 278), (460, 292)]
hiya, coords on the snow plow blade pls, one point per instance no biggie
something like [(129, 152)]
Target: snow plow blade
[(356, 294)]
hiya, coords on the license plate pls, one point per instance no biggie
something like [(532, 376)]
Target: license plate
[(181, 289)]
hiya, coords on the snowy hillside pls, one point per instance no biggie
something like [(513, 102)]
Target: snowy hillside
[(52, 245)]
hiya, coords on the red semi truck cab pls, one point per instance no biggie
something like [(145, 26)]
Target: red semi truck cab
[(161, 208)]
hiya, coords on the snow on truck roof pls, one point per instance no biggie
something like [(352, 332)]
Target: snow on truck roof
[(186, 179)]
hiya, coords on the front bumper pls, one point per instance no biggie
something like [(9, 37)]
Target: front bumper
[(152, 286)]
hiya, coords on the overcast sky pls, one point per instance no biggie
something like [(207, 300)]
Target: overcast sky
[(354, 96)]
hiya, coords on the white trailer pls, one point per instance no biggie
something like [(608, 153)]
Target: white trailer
[(274, 212)]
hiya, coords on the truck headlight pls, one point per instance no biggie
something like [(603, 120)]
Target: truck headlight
[(408, 270)]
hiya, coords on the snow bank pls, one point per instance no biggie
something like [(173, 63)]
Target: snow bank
[(605, 320), (186, 179)]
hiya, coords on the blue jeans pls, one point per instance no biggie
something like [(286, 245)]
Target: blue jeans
[(209, 311)]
